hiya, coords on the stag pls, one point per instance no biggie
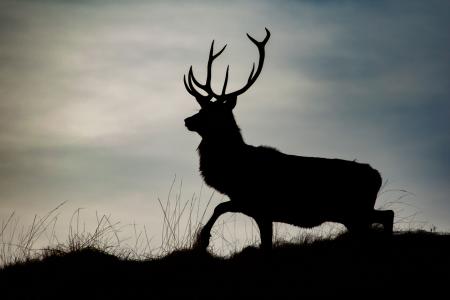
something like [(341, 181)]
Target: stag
[(268, 185)]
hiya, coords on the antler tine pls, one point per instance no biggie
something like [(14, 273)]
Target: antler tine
[(226, 81), (187, 87), (191, 78), (211, 59), (209, 66), (191, 89), (251, 73), (263, 42)]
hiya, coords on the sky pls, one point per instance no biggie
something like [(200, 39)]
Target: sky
[(92, 101)]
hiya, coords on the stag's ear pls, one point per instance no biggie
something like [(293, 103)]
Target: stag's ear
[(230, 102)]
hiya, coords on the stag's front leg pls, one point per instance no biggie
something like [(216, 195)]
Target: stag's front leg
[(202, 241)]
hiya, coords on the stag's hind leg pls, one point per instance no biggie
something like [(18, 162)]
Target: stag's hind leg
[(385, 218), (266, 232), (358, 226)]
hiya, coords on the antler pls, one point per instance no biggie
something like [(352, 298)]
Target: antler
[(207, 86), (192, 82), (252, 78)]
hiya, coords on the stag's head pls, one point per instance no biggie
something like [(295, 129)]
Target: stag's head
[(215, 115)]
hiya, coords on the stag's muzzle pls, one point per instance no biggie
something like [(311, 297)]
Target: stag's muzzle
[(189, 123)]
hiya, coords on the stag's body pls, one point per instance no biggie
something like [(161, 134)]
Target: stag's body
[(271, 186)]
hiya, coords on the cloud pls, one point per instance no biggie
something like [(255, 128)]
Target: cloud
[(92, 102)]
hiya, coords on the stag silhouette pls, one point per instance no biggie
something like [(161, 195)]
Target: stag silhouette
[(268, 185)]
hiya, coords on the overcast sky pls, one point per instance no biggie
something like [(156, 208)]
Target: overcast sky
[(92, 101)]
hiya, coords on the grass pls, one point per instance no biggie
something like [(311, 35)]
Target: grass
[(181, 220), (101, 263), (408, 263)]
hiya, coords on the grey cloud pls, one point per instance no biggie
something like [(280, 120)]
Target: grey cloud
[(92, 101)]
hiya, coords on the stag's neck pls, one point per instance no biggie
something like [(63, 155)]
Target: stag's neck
[(224, 143)]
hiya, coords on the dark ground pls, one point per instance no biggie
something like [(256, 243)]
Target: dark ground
[(406, 265)]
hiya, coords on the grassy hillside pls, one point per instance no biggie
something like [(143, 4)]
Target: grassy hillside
[(406, 264)]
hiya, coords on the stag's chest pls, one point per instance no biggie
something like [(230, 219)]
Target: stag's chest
[(214, 166), (220, 169)]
